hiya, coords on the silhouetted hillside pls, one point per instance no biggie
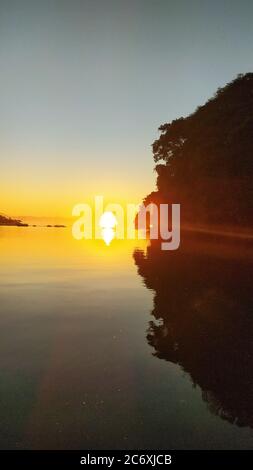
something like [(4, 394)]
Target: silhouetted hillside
[(8, 221), (204, 161)]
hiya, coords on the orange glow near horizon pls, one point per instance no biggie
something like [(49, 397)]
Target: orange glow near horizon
[(39, 202), (50, 185)]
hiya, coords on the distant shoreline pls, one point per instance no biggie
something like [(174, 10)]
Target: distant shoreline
[(9, 222)]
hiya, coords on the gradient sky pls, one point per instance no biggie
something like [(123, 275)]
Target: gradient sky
[(85, 85)]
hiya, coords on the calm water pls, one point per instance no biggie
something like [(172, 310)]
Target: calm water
[(124, 346)]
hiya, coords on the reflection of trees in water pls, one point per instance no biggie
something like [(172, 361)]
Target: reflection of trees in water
[(203, 320)]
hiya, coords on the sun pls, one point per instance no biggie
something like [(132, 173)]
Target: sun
[(107, 220), (107, 223)]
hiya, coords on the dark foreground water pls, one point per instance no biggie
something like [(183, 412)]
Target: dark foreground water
[(124, 346)]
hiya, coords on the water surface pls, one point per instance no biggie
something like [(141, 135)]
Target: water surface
[(123, 346)]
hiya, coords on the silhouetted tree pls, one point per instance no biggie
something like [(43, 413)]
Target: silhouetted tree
[(204, 160)]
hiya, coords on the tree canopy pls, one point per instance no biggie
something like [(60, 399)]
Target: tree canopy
[(216, 139), (204, 161)]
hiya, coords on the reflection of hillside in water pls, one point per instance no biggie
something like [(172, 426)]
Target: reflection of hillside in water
[(203, 319)]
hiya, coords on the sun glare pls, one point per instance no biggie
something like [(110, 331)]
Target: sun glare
[(107, 223), (107, 220)]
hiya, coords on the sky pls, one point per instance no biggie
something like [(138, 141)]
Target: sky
[(85, 85)]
